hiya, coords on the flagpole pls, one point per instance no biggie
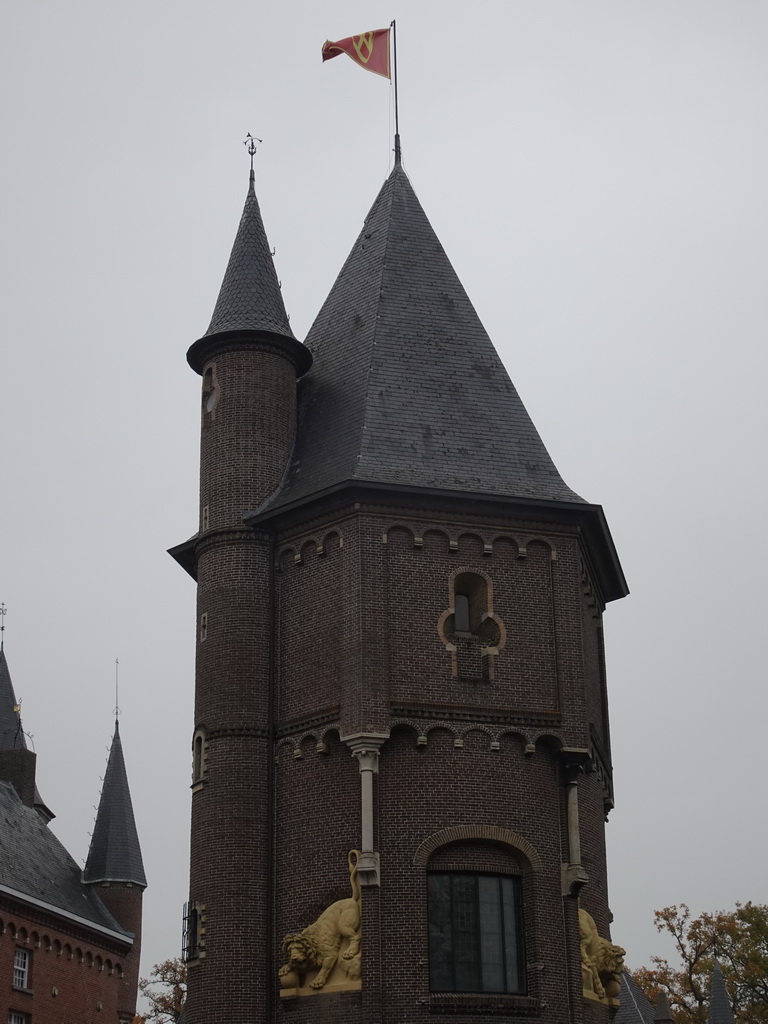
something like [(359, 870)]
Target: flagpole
[(397, 121)]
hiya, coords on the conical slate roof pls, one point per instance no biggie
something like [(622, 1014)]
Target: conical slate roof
[(115, 854), (250, 298), (720, 1009), (634, 1006), (406, 388), (11, 733), (663, 1013)]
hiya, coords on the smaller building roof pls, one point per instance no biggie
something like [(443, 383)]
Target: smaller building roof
[(34, 864), (663, 1012), (635, 1007), (115, 853), (720, 1009)]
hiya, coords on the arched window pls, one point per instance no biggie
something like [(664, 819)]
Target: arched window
[(210, 394), (471, 631), (470, 601), (475, 933), (462, 613), (480, 901), (199, 758)]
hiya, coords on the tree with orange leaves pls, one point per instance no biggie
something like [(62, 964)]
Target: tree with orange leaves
[(737, 940), (165, 988)]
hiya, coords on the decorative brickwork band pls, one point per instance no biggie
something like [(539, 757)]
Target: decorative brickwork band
[(491, 832)]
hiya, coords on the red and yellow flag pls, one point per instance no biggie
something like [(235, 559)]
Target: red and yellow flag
[(370, 50)]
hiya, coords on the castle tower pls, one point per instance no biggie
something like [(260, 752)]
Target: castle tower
[(401, 694), (114, 868), (249, 361)]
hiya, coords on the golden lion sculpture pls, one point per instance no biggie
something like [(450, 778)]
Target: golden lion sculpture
[(601, 961), (318, 945)]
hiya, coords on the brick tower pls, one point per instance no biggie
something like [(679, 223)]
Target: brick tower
[(401, 758)]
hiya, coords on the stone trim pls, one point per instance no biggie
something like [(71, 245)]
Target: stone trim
[(493, 832)]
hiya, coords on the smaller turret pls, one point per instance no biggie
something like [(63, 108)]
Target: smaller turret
[(115, 867), (17, 762), (720, 1009)]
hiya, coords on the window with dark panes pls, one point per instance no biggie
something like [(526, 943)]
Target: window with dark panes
[(475, 933)]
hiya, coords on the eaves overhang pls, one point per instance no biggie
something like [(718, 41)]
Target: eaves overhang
[(125, 937), (202, 349), (184, 554), (589, 519)]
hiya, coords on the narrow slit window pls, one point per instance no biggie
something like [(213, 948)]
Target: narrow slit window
[(462, 613)]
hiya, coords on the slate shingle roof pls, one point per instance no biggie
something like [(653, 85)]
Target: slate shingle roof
[(115, 854), (406, 387), (34, 863), (250, 298), (11, 734), (635, 1007), (720, 1009)]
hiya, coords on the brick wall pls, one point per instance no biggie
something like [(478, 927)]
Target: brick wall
[(76, 977), (315, 629)]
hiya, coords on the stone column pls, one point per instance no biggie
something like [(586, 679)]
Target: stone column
[(365, 747), (574, 876)]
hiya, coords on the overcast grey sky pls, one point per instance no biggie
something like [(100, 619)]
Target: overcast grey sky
[(597, 172)]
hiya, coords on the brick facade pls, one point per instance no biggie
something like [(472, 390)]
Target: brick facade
[(76, 975), (328, 623)]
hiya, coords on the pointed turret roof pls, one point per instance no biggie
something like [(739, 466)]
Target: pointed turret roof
[(634, 1006), (720, 1009), (406, 387), (663, 1013), (115, 854), (11, 733), (250, 301)]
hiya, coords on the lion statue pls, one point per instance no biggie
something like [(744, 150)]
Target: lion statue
[(601, 961), (318, 945)]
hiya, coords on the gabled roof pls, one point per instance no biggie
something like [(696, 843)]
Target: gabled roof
[(34, 865), (115, 854), (720, 1009), (406, 388)]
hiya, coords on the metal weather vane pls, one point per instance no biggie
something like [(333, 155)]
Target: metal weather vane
[(250, 144)]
